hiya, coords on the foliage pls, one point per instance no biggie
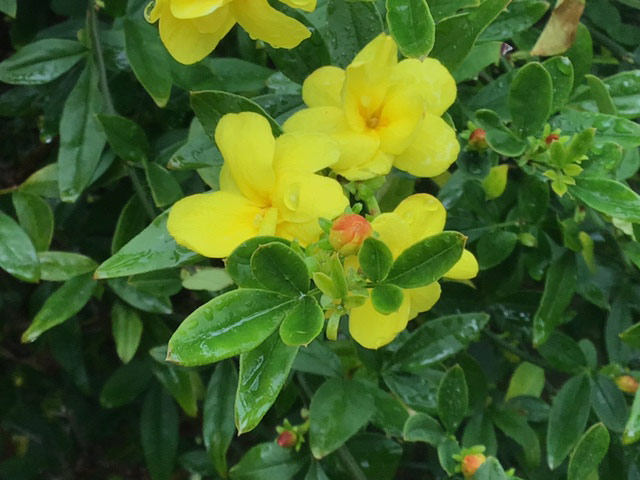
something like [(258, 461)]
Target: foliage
[(455, 297)]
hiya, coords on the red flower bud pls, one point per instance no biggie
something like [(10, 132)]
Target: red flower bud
[(478, 139), (552, 137), (287, 439), (627, 384), (348, 232), (471, 463)]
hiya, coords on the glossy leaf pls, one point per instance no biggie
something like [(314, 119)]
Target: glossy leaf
[(518, 17), (387, 298), (319, 359), (421, 427), (609, 404), (589, 452), (563, 353), (218, 425), (165, 189), (198, 152), (427, 260), (185, 386), (238, 264), (338, 410), (147, 302), (530, 112), (41, 61), (268, 461), (567, 419), (36, 218), (609, 128), (495, 247), (126, 328), (159, 434), (375, 259), (601, 95), (63, 304), (126, 138), (17, 253), (263, 372), (515, 426), (581, 53), (233, 323), (499, 137), (453, 398), (62, 266), (278, 268), (609, 197), (303, 323), (411, 26), (562, 79)]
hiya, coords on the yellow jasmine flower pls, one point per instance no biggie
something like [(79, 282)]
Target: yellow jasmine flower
[(416, 218), (382, 112), (191, 29), (267, 187)]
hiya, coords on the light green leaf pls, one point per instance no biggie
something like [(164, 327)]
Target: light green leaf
[(411, 26), (375, 259), (453, 398), (62, 266), (530, 112), (303, 323), (268, 461), (527, 380), (609, 128), (589, 452), (499, 137), (632, 428), (35, 217), (421, 427), (206, 278), (387, 298), (126, 328), (17, 253), (609, 197)]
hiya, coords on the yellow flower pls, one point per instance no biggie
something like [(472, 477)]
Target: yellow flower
[(382, 112), (267, 187), (191, 29), (417, 217)]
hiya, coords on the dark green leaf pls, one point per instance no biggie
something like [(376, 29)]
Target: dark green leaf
[(495, 247), (589, 452), (609, 197), (561, 71), (375, 259), (631, 336), (421, 427), (185, 386), (278, 268), (632, 429), (303, 323), (17, 253), (140, 299), (411, 26), (126, 328), (159, 433), (165, 189), (198, 152), (609, 128), (125, 384), (233, 323), (239, 262), (564, 353), (500, 138), (518, 17), (62, 266), (530, 112), (35, 217), (268, 461), (453, 398), (447, 448), (601, 95), (514, 425), (319, 359), (490, 470), (125, 137), (387, 298), (609, 403)]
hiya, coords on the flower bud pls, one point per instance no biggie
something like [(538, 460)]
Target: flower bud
[(552, 137), (287, 439), (627, 384), (478, 139), (348, 232), (471, 463)]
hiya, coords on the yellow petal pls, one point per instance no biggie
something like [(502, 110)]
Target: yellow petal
[(155, 13), (401, 113), (188, 41), (466, 268), (355, 149), (433, 148), (247, 146), (195, 8), (304, 232), (263, 22), (323, 87), (432, 79), (303, 197), (424, 214), (393, 231), (423, 298), (316, 119), (213, 224), (379, 164), (306, 5), (371, 329), (304, 152)]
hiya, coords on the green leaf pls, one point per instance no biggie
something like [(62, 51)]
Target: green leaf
[(421, 427), (163, 283), (453, 398), (338, 410), (210, 106), (268, 461), (387, 298), (490, 470), (455, 36), (319, 359), (150, 250), (609, 197), (375, 259), (165, 189), (567, 418), (9, 7), (233, 323), (35, 217), (442, 9), (303, 323), (126, 328), (632, 428), (126, 138), (427, 260), (126, 383), (559, 288), (81, 137), (62, 266), (527, 380), (581, 54), (41, 62), (495, 247), (185, 386), (601, 95), (17, 253), (500, 138), (132, 220), (631, 336), (278, 268), (529, 112), (159, 434), (518, 17), (480, 57), (439, 339), (561, 71), (447, 448), (563, 353), (140, 299), (514, 425), (218, 424), (212, 279), (43, 182), (63, 304), (149, 60), (198, 152), (411, 26), (315, 471), (609, 128), (624, 88), (609, 404), (238, 264), (263, 372), (589, 452)]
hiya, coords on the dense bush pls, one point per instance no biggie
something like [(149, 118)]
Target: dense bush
[(417, 255)]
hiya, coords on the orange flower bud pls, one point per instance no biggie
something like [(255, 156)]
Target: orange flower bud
[(471, 463), (287, 439), (478, 139), (552, 137), (348, 232), (627, 384)]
